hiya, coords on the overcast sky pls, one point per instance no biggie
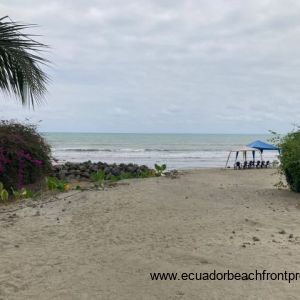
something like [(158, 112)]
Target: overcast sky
[(165, 65)]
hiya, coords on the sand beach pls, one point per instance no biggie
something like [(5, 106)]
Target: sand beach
[(105, 244), (140, 150)]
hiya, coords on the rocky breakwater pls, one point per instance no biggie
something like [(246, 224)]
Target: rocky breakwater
[(84, 170)]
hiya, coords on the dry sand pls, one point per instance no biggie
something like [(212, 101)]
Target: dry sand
[(104, 244)]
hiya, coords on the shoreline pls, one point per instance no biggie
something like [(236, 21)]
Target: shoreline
[(60, 163), (178, 151)]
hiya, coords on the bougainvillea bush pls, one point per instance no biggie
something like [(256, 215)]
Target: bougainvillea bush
[(25, 157)]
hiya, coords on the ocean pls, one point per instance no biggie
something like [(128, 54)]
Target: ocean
[(178, 151)]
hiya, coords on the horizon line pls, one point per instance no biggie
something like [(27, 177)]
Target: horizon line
[(208, 133)]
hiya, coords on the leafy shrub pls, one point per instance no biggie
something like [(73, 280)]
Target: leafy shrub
[(98, 178), (159, 170), (3, 192), (146, 174), (24, 155), (23, 194), (17, 195), (290, 159), (54, 183)]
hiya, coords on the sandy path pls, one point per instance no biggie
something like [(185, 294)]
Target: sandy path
[(102, 245)]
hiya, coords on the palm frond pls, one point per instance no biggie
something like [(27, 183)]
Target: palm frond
[(20, 63)]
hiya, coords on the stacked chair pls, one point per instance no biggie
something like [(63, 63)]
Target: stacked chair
[(252, 164)]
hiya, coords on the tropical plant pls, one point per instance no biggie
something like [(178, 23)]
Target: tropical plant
[(54, 183), (3, 193), (25, 157), (20, 63), (23, 193), (160, 169), (98, 178)]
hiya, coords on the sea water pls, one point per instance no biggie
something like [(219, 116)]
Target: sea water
[(179, 151)]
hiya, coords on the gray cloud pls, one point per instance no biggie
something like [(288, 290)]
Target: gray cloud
[(166, 66)]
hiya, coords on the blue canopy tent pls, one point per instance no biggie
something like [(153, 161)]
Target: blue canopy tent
[(261, 146)]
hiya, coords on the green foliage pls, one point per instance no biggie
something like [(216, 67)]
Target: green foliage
[(20, 62), (3, 193), (146, 174), (98, 178), (29, 193), (114, 178), (23, 194), (290, 159), (126, 175), (54, 183), (25, 157), (160, 169), (129, 175)]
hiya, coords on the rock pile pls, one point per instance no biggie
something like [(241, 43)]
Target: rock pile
[(69, 171)]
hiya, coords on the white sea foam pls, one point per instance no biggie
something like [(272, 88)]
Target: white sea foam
[(176, 150)]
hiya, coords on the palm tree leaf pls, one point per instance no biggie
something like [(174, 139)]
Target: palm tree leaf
[(20, 63)]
